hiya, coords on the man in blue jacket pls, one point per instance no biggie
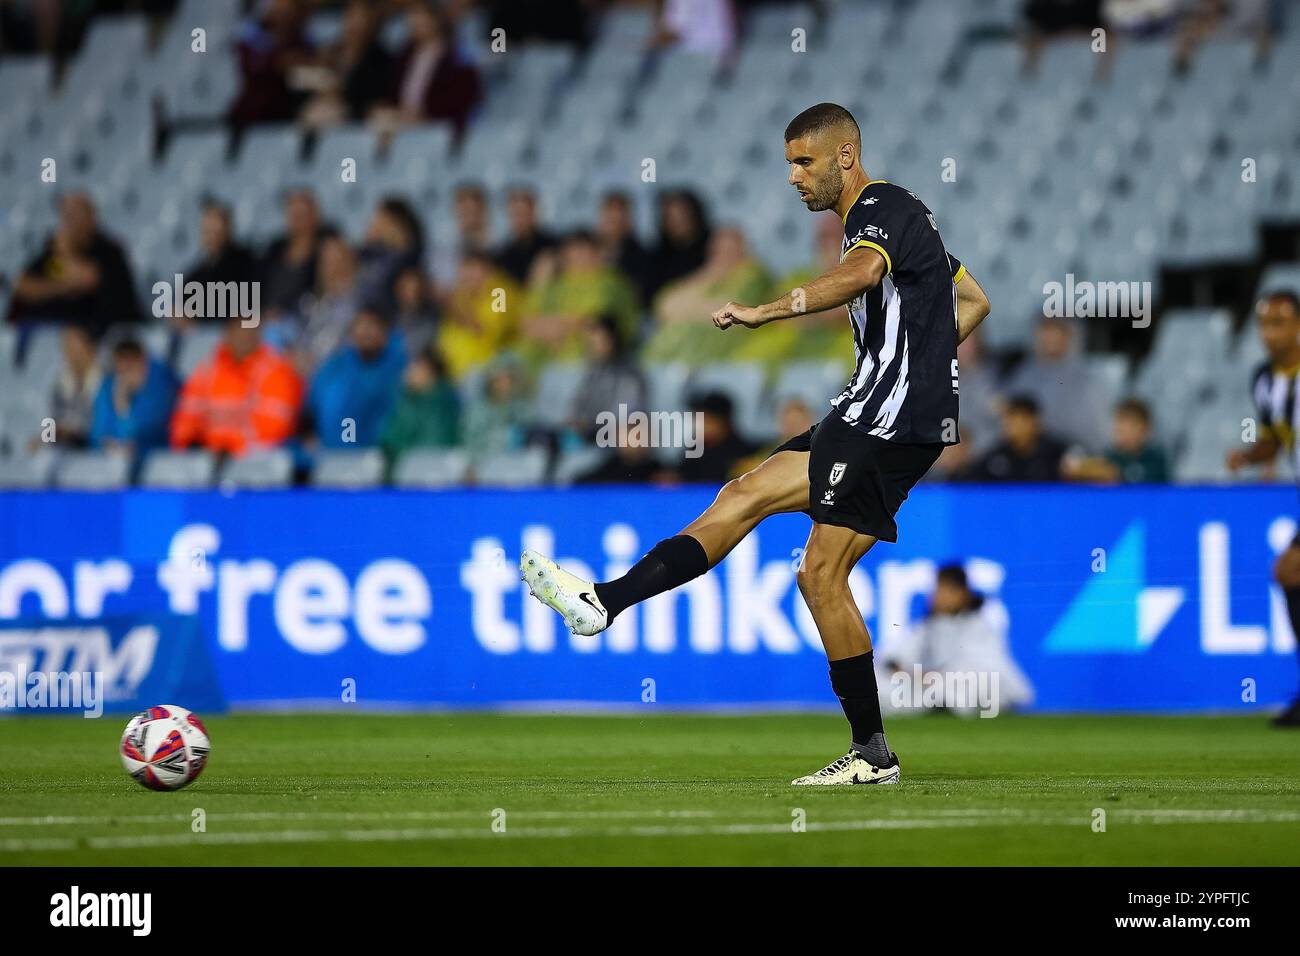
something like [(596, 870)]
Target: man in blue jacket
[(356, 388)]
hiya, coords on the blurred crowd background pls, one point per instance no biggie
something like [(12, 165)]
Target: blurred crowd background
[(476, 227)]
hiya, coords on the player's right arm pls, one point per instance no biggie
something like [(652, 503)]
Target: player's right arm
[(1262, 451)]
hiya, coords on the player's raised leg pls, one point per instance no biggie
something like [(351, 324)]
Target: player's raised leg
[(823, 579), (779, 484)]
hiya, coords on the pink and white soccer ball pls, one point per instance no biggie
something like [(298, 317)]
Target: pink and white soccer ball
[(165, 747)]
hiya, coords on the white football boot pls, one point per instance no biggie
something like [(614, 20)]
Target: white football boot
[(850, 769), (574, 598)]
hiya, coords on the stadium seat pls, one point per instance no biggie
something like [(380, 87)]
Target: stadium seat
[(432, 468), (195, 346), (26, 471), (667, 386), (363, 468), (1279, 276), (92, 471), (815, 382), (259, 470), (512, 469), (743, 382), (557, 387), (178, 469), (578, 461), (1212, 432)]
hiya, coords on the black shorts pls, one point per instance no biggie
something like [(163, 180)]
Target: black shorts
[(856, 480)]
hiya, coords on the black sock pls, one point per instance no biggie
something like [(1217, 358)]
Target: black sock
[(854, 681), (670, 563)]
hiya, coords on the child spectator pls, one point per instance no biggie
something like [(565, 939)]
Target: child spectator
[(134, 403), (427, 414)]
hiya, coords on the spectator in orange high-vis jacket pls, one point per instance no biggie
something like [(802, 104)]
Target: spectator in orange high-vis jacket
[(243, 397)]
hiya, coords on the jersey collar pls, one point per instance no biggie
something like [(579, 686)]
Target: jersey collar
[(859, 196)]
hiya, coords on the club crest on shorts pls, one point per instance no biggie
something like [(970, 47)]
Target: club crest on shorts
[(837, 472)]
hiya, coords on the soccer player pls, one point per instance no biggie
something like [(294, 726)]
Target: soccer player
[(910, 303), (1274, 390)]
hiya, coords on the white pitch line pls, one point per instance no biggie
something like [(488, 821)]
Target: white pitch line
[(366, 815), (1191, 815), (949, 821)]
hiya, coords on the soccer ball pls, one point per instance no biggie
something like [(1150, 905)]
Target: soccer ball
[(165, 747)]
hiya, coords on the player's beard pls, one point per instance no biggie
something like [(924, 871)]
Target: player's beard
[(827, 192)]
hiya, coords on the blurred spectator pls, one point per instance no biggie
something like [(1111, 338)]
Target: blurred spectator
[(81, 275), (289, 266), (134, 404), (480, 317), (555, 20), (1143, 18), (72, 402), (43, 26), (473, 234), (958, 637), (980, 399), (706, 27), (244, 397), (416, 316), (625, 464), (616, 234), (793, 417), (268, 48), (351, 73), (610, 379), (1052, 17), (498, 418), (1132, 457), (429, 78), (326, 316), (729, 273), (1025, 452), (1204, 19), (955, 461), (683, 239), (354, 392), (427, 414), (394, 241), (722, 450), (527, 239), (1057, 377), (571, 294), (222, 259)]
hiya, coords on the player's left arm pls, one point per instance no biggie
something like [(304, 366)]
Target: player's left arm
[(972, 304), (860, 270)]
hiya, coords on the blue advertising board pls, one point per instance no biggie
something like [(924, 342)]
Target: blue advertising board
[(1143, 598)]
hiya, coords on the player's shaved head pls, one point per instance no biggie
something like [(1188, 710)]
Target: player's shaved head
[(822, 145), (825, 119)]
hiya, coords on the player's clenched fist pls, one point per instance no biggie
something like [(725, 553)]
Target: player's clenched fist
[(733, 314)]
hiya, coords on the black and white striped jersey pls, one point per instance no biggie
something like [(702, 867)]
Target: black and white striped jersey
[(1274, 391), (904, 384)]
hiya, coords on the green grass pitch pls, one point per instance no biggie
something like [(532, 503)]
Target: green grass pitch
[(436, 789)]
